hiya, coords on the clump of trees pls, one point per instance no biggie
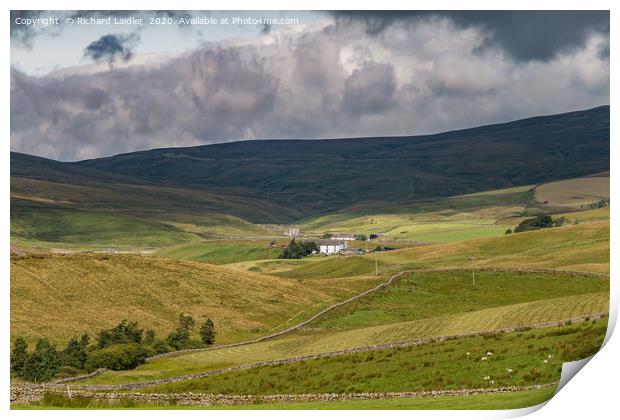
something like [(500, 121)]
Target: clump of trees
[(361, 237), (539, 222), (297, 250), (600, 204), (124, 346)]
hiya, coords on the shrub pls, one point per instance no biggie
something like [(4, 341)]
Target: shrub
[(42, 364), (75, 353), (125, 332), (117, 357), (538, 222), (19, 355), (179, 338), (207, 332)]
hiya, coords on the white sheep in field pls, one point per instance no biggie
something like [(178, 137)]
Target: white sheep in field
[(489, 353), (483, 358), (545, 361), (486, 378), (509, 370)]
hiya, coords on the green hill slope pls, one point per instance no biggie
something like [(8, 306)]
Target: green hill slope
[(321, 176)]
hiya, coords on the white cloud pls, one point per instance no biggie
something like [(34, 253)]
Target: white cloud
[(328, 80)]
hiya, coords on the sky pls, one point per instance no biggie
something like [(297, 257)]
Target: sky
[(83, 86)]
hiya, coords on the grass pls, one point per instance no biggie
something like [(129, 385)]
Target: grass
[(516, 359), (501, 401), (583, 247), (430, 294), (573, 192), (315, 342), (58, 297), (330, 267), (41, 224), (222, 252), (443, 220)]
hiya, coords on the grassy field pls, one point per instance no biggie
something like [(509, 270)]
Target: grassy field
[(500, 401), (39, 224), (583, 247), (444, 220), (330, 267), (516, 359), (314, 341), (573, 192), (61, 296), (432, 294), (222, 252)]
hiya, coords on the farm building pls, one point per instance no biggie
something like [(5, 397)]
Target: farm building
[(329, 247), (343, 236)]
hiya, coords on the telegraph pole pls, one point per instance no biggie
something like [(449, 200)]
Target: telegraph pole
[(473, 278)]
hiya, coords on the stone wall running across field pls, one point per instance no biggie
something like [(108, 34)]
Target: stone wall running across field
[(29, 396)]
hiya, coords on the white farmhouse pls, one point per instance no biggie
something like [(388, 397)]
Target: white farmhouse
[(329, 247)]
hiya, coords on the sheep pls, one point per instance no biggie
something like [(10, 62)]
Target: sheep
[(483, 359)]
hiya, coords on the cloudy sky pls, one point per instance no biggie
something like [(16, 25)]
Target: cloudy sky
[(84, 90)]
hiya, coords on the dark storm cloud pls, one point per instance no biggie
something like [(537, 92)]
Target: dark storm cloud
[(112, 46), (328, 80), (525, 35)]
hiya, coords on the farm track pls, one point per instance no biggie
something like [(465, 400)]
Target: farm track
[(287, 361)]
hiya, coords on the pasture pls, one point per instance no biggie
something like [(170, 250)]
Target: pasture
[(513, 359), (316, 341)]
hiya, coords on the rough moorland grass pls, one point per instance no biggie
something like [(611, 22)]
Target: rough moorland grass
[(430, 294), (513, 359), (221, 252), (501, 401), (444, 224), (573, 192), (41, 224), (61, 296), (315, 342)]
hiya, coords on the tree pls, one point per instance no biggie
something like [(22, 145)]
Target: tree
[(378, 248), (179, 338), (43, 363), (207, 332), (76, 352), (125, 332), (19, 355), (117, 357), (297, 250), (327, 235), (360, 237), (373, 236), (508, 231), (538, 222), (149, 337)]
